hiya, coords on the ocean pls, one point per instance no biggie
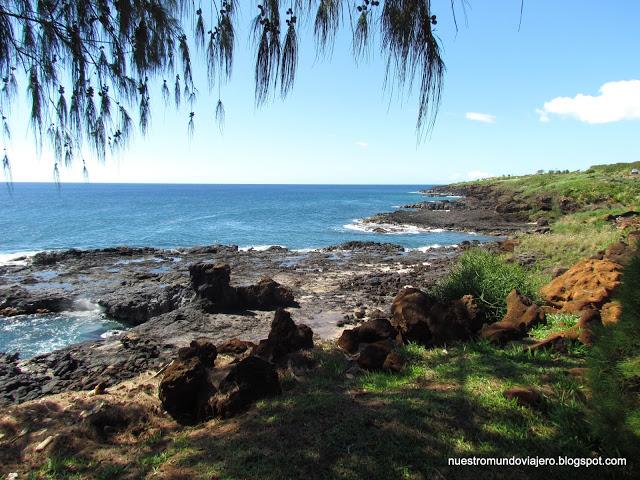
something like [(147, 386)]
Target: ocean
[(36, 217)]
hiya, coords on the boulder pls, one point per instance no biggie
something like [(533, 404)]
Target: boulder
[(184, 390), (201, 348), (191, 392), (409, 314), (582, 332), (544, 202), (235, 346), (421, 319), (567, 205), (586, 285), (265, 294), (508, 245), (393, 363), (374, 330), (619, 252), (524, 396), (349, 340), (610, 312), (373, 355), (16, 300), (284, 337), (522, 315), (522, 312), (244, 383), (211, 282)]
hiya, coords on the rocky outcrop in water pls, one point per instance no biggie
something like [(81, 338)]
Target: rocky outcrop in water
[(211, 282), (17, 300)]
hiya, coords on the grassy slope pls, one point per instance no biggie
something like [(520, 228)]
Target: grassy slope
[(604, 185), (598, 192)]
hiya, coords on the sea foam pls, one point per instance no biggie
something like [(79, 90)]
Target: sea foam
[(359, 225)]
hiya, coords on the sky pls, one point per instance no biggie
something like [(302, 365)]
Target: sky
[(563, 92)]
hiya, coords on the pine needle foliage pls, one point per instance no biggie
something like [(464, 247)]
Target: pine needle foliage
[(89, 66), (614, 372)]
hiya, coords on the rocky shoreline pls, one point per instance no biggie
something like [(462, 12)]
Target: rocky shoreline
[(469, 208), (167, 302)]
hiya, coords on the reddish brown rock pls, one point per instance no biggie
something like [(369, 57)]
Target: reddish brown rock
[(285, 337), (524, 396), (348, 341), (419, 318), (522, 312), (619, 252), (522, 315), (577, 372), (245, 382), (508, 245), (586, 285), (201, 348), (373, 355), (182, 389), (393, 363), (375, 330), (633, 239), (235, 346), (582, 332), (372, 331), (610, 312), (409, 314)]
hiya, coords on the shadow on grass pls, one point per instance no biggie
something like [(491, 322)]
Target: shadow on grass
[(446, 403), (384, 426)]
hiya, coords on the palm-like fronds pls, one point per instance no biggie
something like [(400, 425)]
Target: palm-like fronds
[(112, 49)]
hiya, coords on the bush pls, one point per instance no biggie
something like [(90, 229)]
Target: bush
[(614, 371), (489, 279)]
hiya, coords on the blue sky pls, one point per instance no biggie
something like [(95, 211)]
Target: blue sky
[(501, 112)]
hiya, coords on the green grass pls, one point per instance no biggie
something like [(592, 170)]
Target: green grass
[(489, 278), (394, 426), (601, 184), (445, 403), (556, 323), (614, 371), (572, 238)]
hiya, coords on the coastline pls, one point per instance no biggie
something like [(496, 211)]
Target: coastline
[(149, 290)]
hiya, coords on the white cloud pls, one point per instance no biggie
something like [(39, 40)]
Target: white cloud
[(362, 144), (617, 101), (480, 117)]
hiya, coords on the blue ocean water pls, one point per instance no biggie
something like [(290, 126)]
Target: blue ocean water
[(37, 217)]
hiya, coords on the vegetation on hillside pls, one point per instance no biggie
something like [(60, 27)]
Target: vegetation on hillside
[(599, 187), (614, 368), (489, 278)]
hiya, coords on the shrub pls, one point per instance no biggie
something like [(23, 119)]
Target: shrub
[(488, 278), (614, 371)]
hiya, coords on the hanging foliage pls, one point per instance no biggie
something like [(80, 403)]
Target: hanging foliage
[(77, 60)]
